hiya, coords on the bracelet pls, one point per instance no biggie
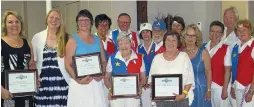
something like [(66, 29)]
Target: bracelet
[(185, 92), (109, 89)]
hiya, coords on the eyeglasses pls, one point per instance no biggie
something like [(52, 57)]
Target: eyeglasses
[(84, 20), (189, 36), (103, 24), (216, 32), (123, 22)]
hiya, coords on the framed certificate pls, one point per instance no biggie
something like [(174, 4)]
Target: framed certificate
[(163, 86), (87, 64), (21, 82), (125, 85)]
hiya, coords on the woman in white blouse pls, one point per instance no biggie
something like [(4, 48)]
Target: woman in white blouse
[(174, 62)]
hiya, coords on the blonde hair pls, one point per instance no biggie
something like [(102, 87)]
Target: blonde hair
[(60, 34), (245, 21), (4, 25), (199, 38)]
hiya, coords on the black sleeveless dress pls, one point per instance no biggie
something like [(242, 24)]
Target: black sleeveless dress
[(14, 59)]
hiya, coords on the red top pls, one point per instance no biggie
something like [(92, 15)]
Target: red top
[(110, 47), (135, 65), (135, 40), (217, 65), (245, 66), (160, 50)]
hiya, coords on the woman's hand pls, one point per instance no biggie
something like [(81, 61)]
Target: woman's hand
[(179, 97), (248, 96), (232, 92), (208, 95), (139, 93), (110, 95), (38, 82), (85, 80), (98, 78), (224, 94), (6, 95), (146, 86)]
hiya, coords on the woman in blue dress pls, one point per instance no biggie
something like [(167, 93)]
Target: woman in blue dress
[(87, 91), (200, 59)]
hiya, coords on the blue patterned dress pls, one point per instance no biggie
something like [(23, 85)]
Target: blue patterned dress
[(54, 89), (200, 81)]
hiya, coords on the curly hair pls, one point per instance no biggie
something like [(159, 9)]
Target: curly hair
[(198, 33), (245, 21)]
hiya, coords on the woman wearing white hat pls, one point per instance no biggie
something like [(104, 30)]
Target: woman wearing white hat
[(147, 49)]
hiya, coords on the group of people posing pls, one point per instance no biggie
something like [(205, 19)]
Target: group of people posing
[(218, 73)]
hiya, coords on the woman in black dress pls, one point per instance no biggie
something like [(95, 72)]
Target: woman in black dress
[(16, 55)]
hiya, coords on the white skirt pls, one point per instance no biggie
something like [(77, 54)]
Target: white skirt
[(88, 95)]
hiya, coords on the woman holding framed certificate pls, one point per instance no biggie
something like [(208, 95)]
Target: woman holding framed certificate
[(87, 90), (16, 54), (179, 83), (126, 70), (49, 46)]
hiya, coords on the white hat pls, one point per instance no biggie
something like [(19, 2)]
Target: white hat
[(145, 26)]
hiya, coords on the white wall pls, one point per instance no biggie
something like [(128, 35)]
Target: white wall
[(13, 5), (251, 14), (36, 14), (111, 8), (191, 11), (32, 12), (129, 7)]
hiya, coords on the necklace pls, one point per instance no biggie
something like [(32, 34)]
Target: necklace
[(191, 50), (15, 41)]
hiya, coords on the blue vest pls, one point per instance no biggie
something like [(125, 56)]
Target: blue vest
[(147, 57), (234, 58), (118, 66), (114, 38)]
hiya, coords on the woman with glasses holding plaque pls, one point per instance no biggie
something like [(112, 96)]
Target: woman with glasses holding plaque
[(124, 62), (174, 62), (200, 59), (48, 46), (86, 91), (16, 54), (243, 65)]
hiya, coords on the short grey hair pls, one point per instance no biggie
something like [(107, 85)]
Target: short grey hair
[(234, 9), (123, 36)]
